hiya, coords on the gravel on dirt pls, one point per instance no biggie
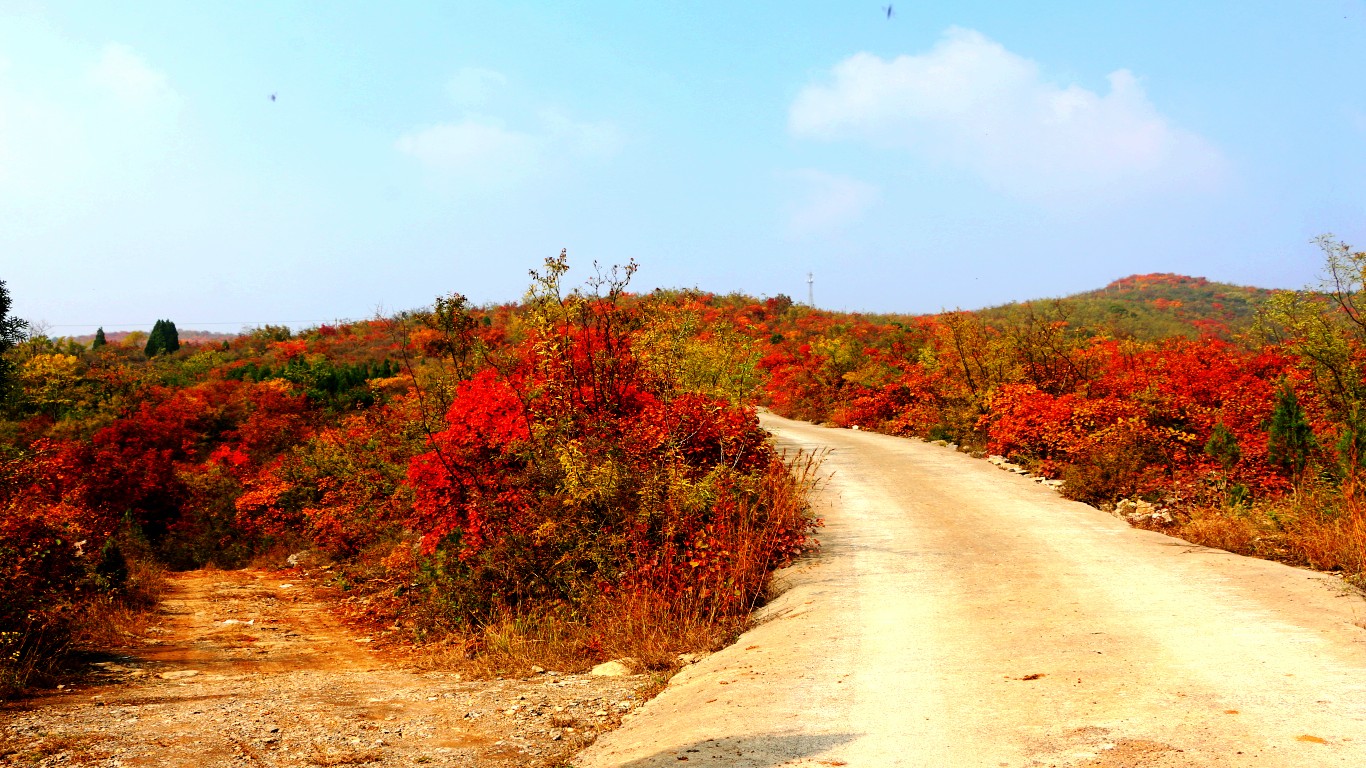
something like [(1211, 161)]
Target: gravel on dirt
[(250, 668)]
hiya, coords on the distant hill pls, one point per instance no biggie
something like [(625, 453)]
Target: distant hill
[(1154, 306), (185, 336)]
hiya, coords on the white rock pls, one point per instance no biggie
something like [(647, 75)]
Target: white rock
[(179, 674), (617, 668)]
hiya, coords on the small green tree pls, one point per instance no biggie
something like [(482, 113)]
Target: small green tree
[(163, 339), (12, 331), (1291, 440), (99, 339), (154, 344), (1222, 446), (172, 338)]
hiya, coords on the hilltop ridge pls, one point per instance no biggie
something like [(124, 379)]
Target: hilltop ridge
[(1154, 306)]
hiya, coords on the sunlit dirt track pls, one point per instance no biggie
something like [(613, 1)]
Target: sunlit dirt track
[(251, 668), (959, 615)]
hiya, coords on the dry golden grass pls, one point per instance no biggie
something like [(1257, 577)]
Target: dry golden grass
[(1222, 529), (1318, 527), (109, 622)]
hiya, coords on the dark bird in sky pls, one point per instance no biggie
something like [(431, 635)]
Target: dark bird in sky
[(272, 97), (888, 9)]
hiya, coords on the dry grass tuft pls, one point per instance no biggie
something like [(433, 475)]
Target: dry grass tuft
[(109, 622), (1222, 529), (1319, 528)]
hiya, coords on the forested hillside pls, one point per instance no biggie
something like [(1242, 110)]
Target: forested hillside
[(1152, 307)]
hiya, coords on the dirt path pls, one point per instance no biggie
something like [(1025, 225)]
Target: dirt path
[(964, 616), (247, 668)]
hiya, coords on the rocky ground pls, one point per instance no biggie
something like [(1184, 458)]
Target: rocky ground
[(248, 668)]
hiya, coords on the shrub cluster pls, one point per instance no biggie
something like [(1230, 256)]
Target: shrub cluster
[(543, 466)]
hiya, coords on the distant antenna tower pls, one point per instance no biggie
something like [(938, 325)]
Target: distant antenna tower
[(810, 289)]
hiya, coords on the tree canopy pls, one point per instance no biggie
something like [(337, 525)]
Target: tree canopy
[(163, 339), (12, 331)]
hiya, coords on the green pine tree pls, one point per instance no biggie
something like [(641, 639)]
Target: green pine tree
[(172, 338), (1291, 438), (1223, 446), (163, 339), (12, 331), (156, 340), (99, 339)]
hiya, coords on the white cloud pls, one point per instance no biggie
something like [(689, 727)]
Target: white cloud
[(600, 138), (828, 203), (472, 86), (971, 103), (95, 128), (123, 73), (477, 148), (487, 149)]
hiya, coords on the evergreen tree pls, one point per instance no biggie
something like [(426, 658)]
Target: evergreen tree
[(172, 338), (156, 343), (1223, 446), (163, 339), (99, 339), (11, 333), (1291, 438)]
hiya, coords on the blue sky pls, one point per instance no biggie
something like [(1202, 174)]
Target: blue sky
[(956, 155)]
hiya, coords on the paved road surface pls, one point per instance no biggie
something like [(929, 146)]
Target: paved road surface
[(960, 615)]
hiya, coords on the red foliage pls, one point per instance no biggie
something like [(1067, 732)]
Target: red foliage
[(473, 478), (49, 549), (699, 432), (1167, 398)]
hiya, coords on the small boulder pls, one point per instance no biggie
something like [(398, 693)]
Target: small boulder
[(617, 668)]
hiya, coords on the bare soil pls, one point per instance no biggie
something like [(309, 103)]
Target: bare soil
[(251, 668)]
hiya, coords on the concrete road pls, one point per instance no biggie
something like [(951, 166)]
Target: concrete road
[(959, 615)]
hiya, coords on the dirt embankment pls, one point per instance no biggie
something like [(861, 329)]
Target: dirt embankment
[(248, 668)]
